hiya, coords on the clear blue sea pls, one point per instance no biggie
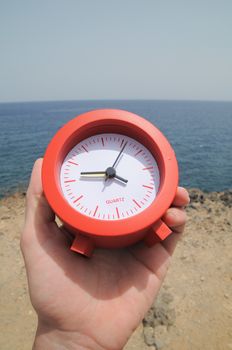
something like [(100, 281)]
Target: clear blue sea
[(200, 133)]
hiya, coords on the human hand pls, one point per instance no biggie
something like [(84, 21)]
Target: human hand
[(90, 303)]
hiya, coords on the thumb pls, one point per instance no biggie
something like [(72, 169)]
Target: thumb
[(37, 208), (40, 229), (38, 214)]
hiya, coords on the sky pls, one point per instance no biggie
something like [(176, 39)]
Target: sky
[(124, 49)]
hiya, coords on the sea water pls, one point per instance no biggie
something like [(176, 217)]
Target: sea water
[(200, 133)]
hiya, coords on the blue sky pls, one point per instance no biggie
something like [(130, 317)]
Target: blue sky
[(125, 49)]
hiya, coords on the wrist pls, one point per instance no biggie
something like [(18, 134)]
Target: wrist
[(51, 338)]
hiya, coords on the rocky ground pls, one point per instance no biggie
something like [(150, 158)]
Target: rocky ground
[(194, 306)]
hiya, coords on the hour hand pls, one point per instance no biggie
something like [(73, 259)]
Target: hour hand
[(110, 173), (93, 174)]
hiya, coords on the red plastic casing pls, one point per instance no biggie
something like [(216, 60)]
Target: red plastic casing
[(91, 232)]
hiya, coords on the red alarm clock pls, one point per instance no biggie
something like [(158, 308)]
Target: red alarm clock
[(110, 175)]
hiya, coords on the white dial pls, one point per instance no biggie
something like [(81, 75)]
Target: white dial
[(109, 177)]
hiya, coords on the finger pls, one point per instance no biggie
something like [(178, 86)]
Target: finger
[(181, 198), (176, 219), (37, 207), (170, 242), (155, 258), (41, 238)]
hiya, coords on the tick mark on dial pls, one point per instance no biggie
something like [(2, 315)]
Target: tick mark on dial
[(137, 153), (69, 161), (122, 143), (84, 148), (151, 188), (149, 168), (70, 181), (95, 211), (78, 199), (136, 203)]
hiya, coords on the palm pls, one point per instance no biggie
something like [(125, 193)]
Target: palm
[(116, 286)]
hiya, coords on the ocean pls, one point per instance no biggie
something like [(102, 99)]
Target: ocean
[(200, 133)]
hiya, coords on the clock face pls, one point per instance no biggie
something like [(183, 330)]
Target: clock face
[(109, 177)]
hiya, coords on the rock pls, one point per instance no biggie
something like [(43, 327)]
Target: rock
[(160, 332), (167, 298), (164, 316), (5, 217), (226, 198), (192, 206), (201, 198), (196, 196), (202, 279), (149, 336), (193, 194), (149, 318), (158, 344), (184, 257), (213, 196)]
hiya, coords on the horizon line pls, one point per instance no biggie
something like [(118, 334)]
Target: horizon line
[(114, 99)]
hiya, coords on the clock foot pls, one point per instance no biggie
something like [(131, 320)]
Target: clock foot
[(82, 245), (158, 232)]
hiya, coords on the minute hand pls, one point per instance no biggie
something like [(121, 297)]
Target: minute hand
[(119, 155)]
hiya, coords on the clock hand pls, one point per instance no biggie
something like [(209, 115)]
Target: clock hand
[(121, 179), (93, 173), (119, 154), (109, 173)]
